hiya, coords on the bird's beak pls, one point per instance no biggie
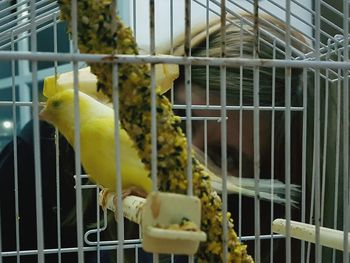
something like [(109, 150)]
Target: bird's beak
[(43, 115)]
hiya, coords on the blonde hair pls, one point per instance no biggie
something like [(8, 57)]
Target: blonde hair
[(240, 39)]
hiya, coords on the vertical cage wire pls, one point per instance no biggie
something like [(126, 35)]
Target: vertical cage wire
[(346, 135), (36, 131), (118, 173), (23, 67), (240, 128), (153, 107), (120, 215), (256, 139), (223, 128), (15, 153), (336, 187), (273, 117), (153, 97), (317, 128), (287, 131), (78, 183), (188, 91), (57, 155), (325, 141), (304, 155)]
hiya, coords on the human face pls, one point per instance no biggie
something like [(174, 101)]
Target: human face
[(213, 134)]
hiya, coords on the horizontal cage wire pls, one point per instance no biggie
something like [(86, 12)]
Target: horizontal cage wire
[(261, 92)]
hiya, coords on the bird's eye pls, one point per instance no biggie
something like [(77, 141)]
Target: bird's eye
[(56, 103)]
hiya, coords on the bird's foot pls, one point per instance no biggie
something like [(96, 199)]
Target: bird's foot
[(104, 197), (134, 190)]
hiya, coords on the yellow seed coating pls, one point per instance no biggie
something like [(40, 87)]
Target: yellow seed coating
[(96, 34)]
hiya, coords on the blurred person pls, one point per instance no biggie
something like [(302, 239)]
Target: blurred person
[(240, 39)]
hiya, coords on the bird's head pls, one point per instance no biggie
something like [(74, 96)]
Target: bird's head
[(59, 108), (59, 111)]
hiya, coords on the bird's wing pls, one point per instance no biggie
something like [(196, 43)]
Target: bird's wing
[(98, 155)]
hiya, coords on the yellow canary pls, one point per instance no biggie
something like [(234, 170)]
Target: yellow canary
[(97, 126), (97, 142)]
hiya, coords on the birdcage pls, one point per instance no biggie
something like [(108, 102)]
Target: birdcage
[(261, 89)]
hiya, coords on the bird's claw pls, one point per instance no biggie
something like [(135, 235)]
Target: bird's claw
[(104, 197), (133, 190)]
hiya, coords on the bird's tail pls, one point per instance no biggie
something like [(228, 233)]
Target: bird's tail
[(268, 189)]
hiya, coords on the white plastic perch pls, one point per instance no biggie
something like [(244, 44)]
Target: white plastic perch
[(328, 237), (170, 222)]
